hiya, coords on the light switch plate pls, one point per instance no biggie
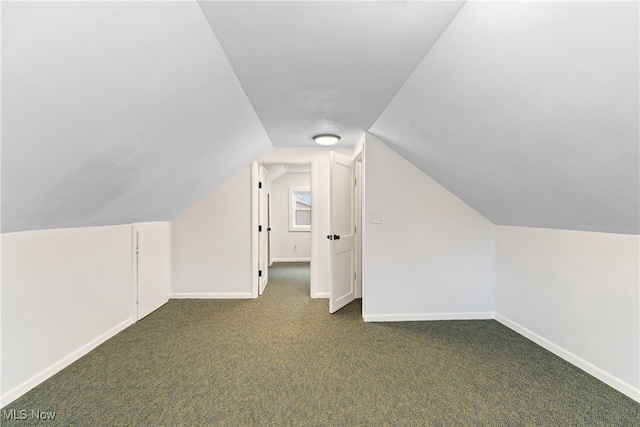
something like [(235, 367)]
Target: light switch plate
[(375, 218)]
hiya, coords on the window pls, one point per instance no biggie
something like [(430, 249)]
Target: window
[(299, 209)]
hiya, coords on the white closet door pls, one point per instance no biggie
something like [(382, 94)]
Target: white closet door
[(153, 274)]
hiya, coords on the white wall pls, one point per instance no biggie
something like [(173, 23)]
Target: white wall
[(575, 293), (211, 244), (283, 240), (432, 257), (64, 292), (211, 241), (274, 171)]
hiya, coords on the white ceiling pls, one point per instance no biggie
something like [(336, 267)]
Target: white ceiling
[(116, 112), (529, 112), (318, 67), (119, 112), (277, 170)]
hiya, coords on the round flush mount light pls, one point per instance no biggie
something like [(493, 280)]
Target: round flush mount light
[(326, 139)]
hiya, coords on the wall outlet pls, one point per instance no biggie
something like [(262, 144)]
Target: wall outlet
[(295, 247), (375, 218)]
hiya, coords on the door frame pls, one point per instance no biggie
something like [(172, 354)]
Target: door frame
[(255, 238), (359, 219), (269, 257), (317, 163), (264, 226), (360, 156)]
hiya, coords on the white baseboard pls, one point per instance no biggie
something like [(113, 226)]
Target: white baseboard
[(211, 295), (291, 260), (321, 295), (604, 376), (47, 373), (481, 315)]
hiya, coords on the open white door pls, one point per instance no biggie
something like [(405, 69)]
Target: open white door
[(342, 290), (263, 234), (153, 277)]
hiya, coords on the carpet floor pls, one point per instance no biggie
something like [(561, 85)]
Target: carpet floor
[(283, 360)]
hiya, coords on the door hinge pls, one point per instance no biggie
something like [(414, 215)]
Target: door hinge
[(354, 276), (355, 229), (137, 250), (355, 182), (259, 273), (259, 228), (259, 184)]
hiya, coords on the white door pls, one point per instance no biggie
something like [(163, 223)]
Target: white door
[(263, 234), (152, 268), (342, 290)]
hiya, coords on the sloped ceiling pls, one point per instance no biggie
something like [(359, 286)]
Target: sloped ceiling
[(116, 112), (315, 67), (529, 112), (119, 112)]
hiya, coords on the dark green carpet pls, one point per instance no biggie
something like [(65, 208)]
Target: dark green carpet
[(283, 360)]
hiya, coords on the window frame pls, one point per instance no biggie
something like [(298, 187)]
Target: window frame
[(293, 191)]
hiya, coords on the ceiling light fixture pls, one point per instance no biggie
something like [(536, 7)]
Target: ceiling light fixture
[(326, 139)]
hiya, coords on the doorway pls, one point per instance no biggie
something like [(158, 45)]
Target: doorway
[(285, 212), (289, 186), (320, 226)]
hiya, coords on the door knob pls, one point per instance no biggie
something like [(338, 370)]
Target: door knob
[(336, 237)]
